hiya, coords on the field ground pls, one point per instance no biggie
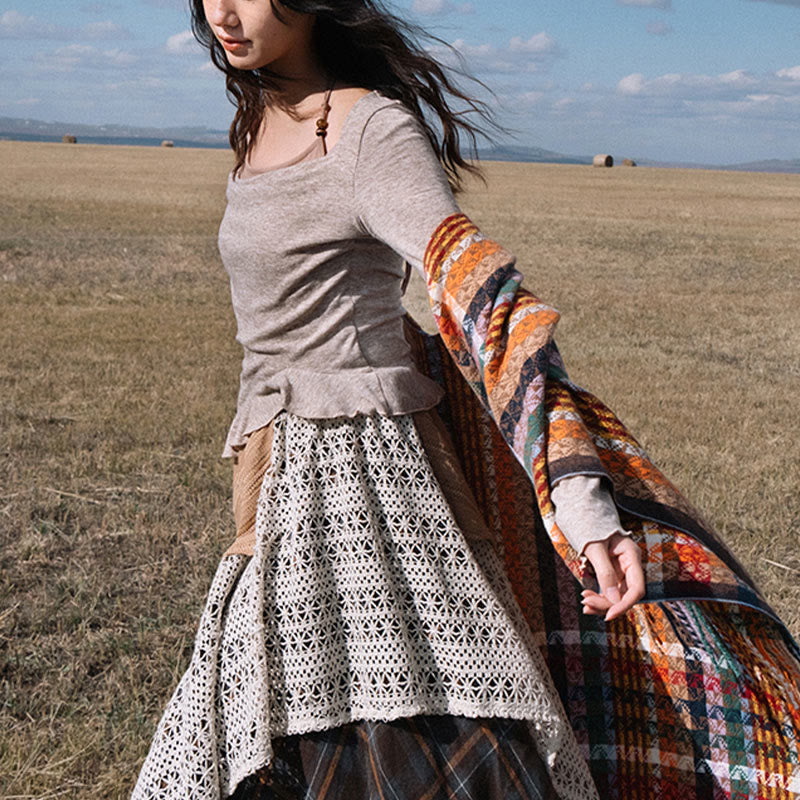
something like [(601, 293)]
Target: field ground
[(118, 372)]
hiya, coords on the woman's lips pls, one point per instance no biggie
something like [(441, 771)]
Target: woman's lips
[(234, 45)]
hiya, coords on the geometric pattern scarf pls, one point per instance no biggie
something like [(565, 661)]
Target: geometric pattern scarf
[(695, 693)]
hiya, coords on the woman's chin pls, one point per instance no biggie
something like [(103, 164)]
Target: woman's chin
[(245, 62)]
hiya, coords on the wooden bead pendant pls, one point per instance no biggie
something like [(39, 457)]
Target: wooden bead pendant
[(322, 122)]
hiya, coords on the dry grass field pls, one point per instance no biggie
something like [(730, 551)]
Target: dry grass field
[(118, 373)]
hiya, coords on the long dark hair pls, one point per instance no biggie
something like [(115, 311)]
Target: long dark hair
[(360, 43)]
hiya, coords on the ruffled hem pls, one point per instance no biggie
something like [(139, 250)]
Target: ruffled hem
[(389, 391)]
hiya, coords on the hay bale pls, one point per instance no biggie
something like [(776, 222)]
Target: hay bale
[(68, 138), (168, 143), (628, 162), (603, 160)]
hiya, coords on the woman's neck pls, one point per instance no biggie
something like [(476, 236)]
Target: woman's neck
[(300, 77), (298, 96)]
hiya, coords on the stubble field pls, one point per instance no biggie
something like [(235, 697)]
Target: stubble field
[(118, 374)]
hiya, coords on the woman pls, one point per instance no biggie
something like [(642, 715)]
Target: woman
[(361, 634)]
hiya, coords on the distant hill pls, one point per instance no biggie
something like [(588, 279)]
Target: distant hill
[(39, 131), (539, 155), (530, 154), (786, 166), (768, 165)]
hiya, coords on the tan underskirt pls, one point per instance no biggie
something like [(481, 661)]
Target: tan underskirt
[(250, 464)]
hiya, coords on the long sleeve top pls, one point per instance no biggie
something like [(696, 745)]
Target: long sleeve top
[(315, 252)]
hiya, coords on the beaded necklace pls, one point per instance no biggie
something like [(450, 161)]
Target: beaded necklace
[(322, 122)]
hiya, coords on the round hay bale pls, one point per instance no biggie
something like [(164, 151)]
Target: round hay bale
[(603, 160), (68, 138), (168, 143), (628, 162)]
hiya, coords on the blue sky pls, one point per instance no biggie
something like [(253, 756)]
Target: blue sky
[(692, 80)]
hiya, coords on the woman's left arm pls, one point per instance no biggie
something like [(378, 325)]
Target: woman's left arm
[(400, 190), (401, 196), (585, 513)]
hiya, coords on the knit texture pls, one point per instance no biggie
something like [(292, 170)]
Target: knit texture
[(363, 601), (314, 253)]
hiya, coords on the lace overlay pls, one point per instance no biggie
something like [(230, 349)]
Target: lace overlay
[(363, 600)]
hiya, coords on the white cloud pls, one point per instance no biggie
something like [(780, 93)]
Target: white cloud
[(540, 43), (730, 83), (659, 28), (737, 115), (431, 7), (14, 25), (178, 5), (632, 84), (474, 50), (792, 73), (795, 3), (70, 56), (563, 104), (183, 42), (662, 4), (520, 55), (105, 30), (772, 108), (767, 102), (85, 56), (529, 99)]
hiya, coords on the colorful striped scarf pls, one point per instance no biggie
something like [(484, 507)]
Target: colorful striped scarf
[(695, 694)]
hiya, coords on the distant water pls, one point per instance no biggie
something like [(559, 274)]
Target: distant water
[(35, 137)]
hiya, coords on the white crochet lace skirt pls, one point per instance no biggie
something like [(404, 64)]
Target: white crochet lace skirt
[(363, 600)]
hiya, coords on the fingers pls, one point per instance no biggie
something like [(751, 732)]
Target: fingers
[(604, 570), (618, 568), (594, 603), (634, 580)]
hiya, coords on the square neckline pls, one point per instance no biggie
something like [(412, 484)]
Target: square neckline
[(301, 162)]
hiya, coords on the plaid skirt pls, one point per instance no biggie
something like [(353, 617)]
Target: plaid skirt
[(417, 758)]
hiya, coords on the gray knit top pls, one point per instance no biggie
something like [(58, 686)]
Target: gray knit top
[(314, 252)]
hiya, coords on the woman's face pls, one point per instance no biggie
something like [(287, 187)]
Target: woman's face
[(254, 37)]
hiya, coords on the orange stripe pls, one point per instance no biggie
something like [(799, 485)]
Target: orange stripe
[(331, 773), (511, 772), (444, 232), (372, 763), (473, 265), (459, 227), (451, 231), (423, 746), (531, 331), (479, 261)]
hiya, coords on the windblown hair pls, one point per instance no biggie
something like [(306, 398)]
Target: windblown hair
[(360, 43)]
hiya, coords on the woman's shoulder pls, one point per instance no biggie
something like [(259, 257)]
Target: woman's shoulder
[(357, 107), (360, 119), (343, 103)]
